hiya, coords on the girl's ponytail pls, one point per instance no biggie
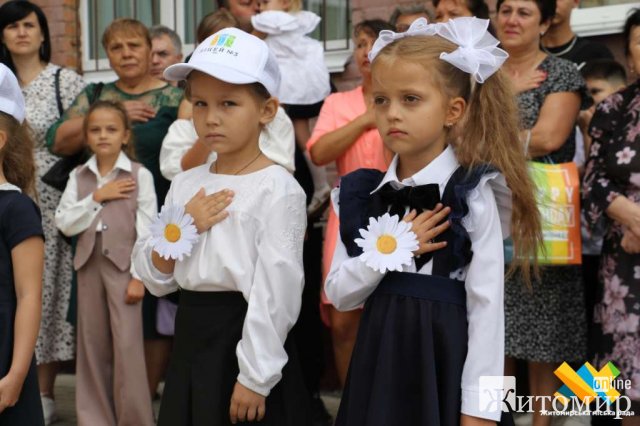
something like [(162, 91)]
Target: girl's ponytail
[(490, 134), (16, 157)]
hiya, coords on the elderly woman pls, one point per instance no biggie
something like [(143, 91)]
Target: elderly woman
[(26, 50), (612, 200), (404, 15), (152, 106), (545, 325)]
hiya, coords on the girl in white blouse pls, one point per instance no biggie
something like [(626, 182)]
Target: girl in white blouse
[(107, 202), (434, 325), (241, 285)]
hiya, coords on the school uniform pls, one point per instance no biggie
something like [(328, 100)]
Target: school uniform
[(111, 386), (240, 295), (20, 219), (429, 332)]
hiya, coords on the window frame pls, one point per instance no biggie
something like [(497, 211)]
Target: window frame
[(337, 52), (600, 20)]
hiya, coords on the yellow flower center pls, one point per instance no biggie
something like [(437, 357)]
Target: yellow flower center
[(172, 232), (386, 244)]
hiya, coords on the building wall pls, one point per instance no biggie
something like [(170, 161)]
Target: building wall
[(64, 28)]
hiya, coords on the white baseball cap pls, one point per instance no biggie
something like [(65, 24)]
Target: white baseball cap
[(11, 99), (233, 56)]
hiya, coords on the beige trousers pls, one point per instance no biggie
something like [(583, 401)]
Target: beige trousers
[(111, 378)]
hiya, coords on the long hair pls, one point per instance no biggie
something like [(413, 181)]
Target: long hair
[(129, 147), (16, 157), (487, 134), (14, 11)]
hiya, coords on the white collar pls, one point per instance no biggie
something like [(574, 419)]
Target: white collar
[(9, 187), (122, 163), (437, 171)]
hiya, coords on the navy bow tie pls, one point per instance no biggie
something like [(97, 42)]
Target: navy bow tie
[(422, 197)]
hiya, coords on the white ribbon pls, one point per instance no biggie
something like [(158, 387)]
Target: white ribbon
[(478, 53), (418, 27)]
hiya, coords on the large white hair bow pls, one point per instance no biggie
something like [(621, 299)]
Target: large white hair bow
[(478, 53), (419, 27)]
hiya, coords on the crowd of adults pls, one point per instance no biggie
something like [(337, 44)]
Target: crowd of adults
[(571, 314)]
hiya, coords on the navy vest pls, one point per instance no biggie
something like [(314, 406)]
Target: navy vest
[(357, 205)]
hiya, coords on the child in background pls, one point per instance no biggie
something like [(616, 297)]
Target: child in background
[(305, 77), (107, 202), (435, 324), (21, 263), (241, 286)]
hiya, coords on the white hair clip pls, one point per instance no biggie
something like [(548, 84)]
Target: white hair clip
[(419, 27), (478, 53)]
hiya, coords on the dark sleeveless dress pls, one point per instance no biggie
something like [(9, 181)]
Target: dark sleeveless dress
[(407, 363)]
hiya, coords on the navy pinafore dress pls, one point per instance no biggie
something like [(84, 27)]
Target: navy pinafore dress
[(406, 367)]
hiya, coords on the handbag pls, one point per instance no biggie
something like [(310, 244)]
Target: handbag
[(58, 175), (558, 197)]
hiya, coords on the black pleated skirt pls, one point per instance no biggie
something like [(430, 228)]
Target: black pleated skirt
[(407, 362), (203, 368)]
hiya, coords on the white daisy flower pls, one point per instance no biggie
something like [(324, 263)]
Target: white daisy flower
[(387, 243), (173, 233)]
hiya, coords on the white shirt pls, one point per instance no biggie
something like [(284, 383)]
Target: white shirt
[(305, 76), (74, 216), (277, 142), (350, 282), (256, 250)]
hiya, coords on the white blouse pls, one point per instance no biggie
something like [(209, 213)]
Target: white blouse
[(305, 76), (350, 282), (256, 250), (74, 216)]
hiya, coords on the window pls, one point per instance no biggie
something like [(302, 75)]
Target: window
[(184, 15), (601, 17)]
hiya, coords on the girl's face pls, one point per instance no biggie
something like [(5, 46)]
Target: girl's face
[(283, 5), (411, 111), (364, 43), (23, 37), (129, 56), (518, 24), (449, 9), (228, 117), (106, 133), (634, 49)]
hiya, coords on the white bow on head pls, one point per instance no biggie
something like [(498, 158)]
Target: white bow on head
[(419, 27), (478, 53)]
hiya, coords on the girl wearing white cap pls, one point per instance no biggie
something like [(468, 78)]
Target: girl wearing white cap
[(230, 237), (21, 262)]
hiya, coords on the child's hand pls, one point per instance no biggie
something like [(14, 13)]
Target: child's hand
[(10, 388), (207, 210), (114, 190), (425, 226), (246, 405), (135, 292)]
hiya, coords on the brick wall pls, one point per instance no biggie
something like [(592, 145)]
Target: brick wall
[(64, 28)]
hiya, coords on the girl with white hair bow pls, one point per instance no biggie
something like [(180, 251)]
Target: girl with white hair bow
[(433, 319)]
